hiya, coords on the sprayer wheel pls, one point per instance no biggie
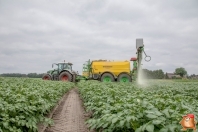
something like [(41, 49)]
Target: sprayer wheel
[(124, 78), (107, 77)]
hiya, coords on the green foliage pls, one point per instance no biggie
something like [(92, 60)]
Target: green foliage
[(193, 77), (128, 107), (34, 75), (156, 74), (25, 102), (180, 71), (30, 75), (185, 80), (175, 77)]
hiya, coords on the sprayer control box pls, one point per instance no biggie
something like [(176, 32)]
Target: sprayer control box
[(139, 43)]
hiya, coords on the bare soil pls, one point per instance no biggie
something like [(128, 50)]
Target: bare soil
[(70, 115)]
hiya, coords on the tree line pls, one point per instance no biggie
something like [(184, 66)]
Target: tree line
[(159, 74), (156, 74), (30, 75)]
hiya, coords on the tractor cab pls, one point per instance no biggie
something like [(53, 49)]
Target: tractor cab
[(61, 66)]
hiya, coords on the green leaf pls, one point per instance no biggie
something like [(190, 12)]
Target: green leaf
[(143, 127), (149, 112), (100, 124), (157, 122), (164, 130), (151, 116), (128, 118), (122, 123), (110, 118), (158, 113), (150, 127), (172, 128), (139, 129), (128, 125), (166, 113), (93, 127), (12, 119), (114, 120), (105, 125), (5, 124)]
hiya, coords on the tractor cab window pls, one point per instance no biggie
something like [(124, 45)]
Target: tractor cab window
[(69, 67), (66, 66), (60, 66)]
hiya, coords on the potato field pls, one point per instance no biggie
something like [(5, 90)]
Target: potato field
[(114, 107), (24, 102), (127, 107)]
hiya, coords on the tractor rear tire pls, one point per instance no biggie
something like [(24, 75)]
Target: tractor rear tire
[(65, 76), (46, 77), (124, 78), (107, 77)]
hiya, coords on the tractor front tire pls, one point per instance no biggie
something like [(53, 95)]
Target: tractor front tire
[(46, 77), (65, 76), (107, 77), (124, 78)]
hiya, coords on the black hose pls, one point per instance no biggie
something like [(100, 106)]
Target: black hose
[(147, 57)]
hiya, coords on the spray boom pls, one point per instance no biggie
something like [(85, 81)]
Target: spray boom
[(137, 61)]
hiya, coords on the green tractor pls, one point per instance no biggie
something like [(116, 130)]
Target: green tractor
[(63, 72)]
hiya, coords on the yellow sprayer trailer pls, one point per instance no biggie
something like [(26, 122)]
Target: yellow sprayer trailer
[(110, 71)]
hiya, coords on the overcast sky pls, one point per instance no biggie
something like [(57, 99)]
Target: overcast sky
[(34, 34)]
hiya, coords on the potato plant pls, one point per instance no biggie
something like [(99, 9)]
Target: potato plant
[(25, 102), (125, 107)]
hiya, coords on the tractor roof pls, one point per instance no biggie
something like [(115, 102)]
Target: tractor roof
[(65, 63)]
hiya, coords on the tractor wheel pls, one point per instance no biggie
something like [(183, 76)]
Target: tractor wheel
[(107, 77), (124, 78), (65, 76), (46, 77)]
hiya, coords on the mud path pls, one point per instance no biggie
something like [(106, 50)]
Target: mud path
[(69, 116)]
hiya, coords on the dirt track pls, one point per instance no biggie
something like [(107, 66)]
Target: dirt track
[(69, 116)]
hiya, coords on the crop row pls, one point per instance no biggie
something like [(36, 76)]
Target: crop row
[(25, 102), (158, 107)]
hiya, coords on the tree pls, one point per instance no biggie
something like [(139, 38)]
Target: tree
[(160, 74), (180, 71), (156, 74)]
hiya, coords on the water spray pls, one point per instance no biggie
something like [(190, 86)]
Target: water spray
[(137, 72)]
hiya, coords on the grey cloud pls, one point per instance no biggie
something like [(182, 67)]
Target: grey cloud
[(35, 34)]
